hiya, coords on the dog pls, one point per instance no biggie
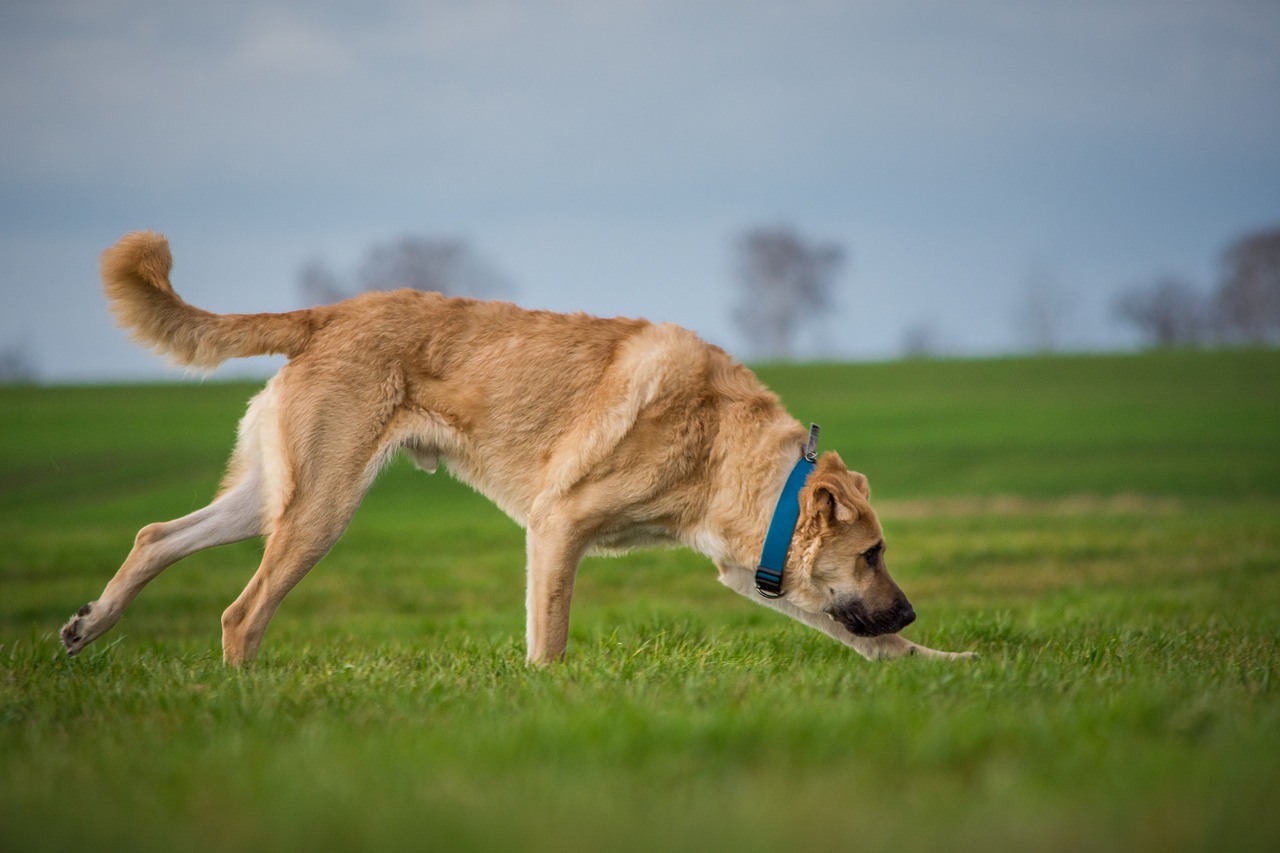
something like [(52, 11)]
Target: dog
[(595, 435)]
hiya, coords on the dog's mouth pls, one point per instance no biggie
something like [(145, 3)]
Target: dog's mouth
[(862, 623)]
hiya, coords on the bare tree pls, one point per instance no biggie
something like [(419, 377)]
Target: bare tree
[(786, 283), (319, 285), (922, 340), (447, 266), (16, 365), (1248, 299), (1168, 312), (1042, 315)]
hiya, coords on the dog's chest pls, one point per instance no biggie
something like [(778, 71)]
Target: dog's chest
[(634, 536)]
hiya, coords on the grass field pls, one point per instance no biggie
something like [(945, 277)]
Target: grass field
[(1105, 531)]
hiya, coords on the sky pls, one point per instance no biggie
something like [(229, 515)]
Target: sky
[(605, 156)]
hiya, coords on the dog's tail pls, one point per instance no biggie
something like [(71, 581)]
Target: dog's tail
[(135, 276)]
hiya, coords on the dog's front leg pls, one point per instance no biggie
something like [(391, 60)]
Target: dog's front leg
[(553, 556), (872, 648)]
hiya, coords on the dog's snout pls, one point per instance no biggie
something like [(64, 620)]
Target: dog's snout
[(906, 615)]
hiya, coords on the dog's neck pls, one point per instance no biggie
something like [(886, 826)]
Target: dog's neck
[(786, 512), (752, 478)]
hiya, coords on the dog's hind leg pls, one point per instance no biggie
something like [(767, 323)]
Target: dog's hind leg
[(309, 526), (297, 544), (234, 516), (326, 460)]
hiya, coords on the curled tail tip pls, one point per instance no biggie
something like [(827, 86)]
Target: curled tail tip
[(142, 253), (135, 279)]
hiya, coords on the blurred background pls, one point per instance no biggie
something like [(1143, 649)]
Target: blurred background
[(809, 180)]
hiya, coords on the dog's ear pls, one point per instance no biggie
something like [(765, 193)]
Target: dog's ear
[(860, 483), (829, 494)]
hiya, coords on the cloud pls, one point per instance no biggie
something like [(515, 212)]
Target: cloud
[(285, 91)]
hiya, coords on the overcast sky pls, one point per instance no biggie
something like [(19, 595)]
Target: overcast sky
[(603, 155)]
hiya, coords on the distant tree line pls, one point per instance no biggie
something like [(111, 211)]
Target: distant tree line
[(787, 285), (1243, 308)]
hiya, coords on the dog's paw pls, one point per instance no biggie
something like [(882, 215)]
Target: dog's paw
[(935, 654), (75, 634)]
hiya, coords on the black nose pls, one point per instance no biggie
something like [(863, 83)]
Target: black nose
[(906, 615)]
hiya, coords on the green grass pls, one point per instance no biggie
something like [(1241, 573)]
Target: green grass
[(1105, 531)]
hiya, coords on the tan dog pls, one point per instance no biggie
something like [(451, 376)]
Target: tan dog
[(594, 434)]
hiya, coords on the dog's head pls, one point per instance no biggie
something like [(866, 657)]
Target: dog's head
[(837, 563)]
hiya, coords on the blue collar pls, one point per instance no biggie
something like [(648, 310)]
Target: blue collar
[(773, 557)]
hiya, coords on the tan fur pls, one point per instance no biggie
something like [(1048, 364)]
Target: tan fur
[(594, 434)]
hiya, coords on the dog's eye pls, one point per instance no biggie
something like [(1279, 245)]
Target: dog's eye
[(872, 554)]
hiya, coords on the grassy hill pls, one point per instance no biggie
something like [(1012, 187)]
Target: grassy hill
[(1105, 531)]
